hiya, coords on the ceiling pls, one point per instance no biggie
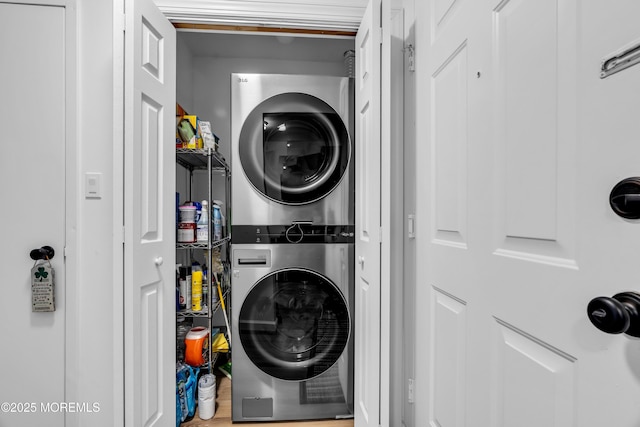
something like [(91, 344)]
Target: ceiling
[(235, 45)]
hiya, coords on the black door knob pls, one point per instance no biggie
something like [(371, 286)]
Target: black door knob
[(45, 252), (616, 315), (625, 198)]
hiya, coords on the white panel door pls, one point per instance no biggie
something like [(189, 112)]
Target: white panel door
[(522, 144), (150, 82), (32, 172), (368, 219)]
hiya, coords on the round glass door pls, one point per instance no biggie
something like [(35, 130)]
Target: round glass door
[(294, 324), (294, 148)]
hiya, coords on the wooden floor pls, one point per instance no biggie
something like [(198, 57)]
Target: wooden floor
[(222, 415)]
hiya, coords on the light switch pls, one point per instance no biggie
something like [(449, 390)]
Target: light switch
[(92, 185)]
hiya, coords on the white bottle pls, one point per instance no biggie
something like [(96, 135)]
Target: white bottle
[(221, 218), (202, 227), (217, 223)]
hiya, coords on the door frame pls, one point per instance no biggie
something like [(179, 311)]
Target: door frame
[(265, 15), (73, 332), (254, 15)]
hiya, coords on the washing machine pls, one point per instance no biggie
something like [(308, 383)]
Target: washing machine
[(292, 149), (292, 323)]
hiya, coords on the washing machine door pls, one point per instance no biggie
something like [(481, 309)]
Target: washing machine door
[(294, 324), (294, 148)]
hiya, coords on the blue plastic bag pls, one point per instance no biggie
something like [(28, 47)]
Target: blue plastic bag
[(186, 385), (181, 395), (190, 390), (178, 408)]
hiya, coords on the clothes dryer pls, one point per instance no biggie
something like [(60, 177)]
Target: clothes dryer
[(292, 323), (292, 151)]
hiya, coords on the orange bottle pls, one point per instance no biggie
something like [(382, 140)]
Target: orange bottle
[(196, 342)]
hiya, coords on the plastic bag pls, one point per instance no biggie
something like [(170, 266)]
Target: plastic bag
[(190, 388), (181, 395), (178, 408), (186, 386)]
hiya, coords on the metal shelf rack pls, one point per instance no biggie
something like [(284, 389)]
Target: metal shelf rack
[(211, 161)]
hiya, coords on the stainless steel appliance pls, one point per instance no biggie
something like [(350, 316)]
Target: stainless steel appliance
[(292, 319), (292, 153)]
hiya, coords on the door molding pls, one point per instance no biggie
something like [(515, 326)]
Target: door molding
[(72, 240), (331, 15), (69, 253)]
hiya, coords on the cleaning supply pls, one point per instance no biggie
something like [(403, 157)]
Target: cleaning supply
[(187, 224), (190, 390), (182, 329), (181, 392), (187, 213), (217, 222), (205, 284), (202, 226), (196, 344), (196, 290), (185, 287), (223, 221)]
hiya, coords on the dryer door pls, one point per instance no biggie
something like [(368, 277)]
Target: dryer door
[(294, 324), (294, 148)]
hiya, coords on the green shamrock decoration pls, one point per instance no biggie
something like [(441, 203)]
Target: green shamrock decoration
[(41, 274)]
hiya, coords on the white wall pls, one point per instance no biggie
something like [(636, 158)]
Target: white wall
[(95, 324), (184, 71), (184, 97)]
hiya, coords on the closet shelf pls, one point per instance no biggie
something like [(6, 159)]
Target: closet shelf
[(196, 158), (204, 313), (191, 313), (203, 245), (211, 161)]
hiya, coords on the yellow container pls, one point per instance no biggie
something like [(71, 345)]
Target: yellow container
[(196, 290)]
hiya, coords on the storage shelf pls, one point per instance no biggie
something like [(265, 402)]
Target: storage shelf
[(191, 313), (205, 313), (209, 160), (196, 158), (203, 245), (210, 364)]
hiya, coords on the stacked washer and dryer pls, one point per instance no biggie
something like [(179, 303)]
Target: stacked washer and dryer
[(292, 221)]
